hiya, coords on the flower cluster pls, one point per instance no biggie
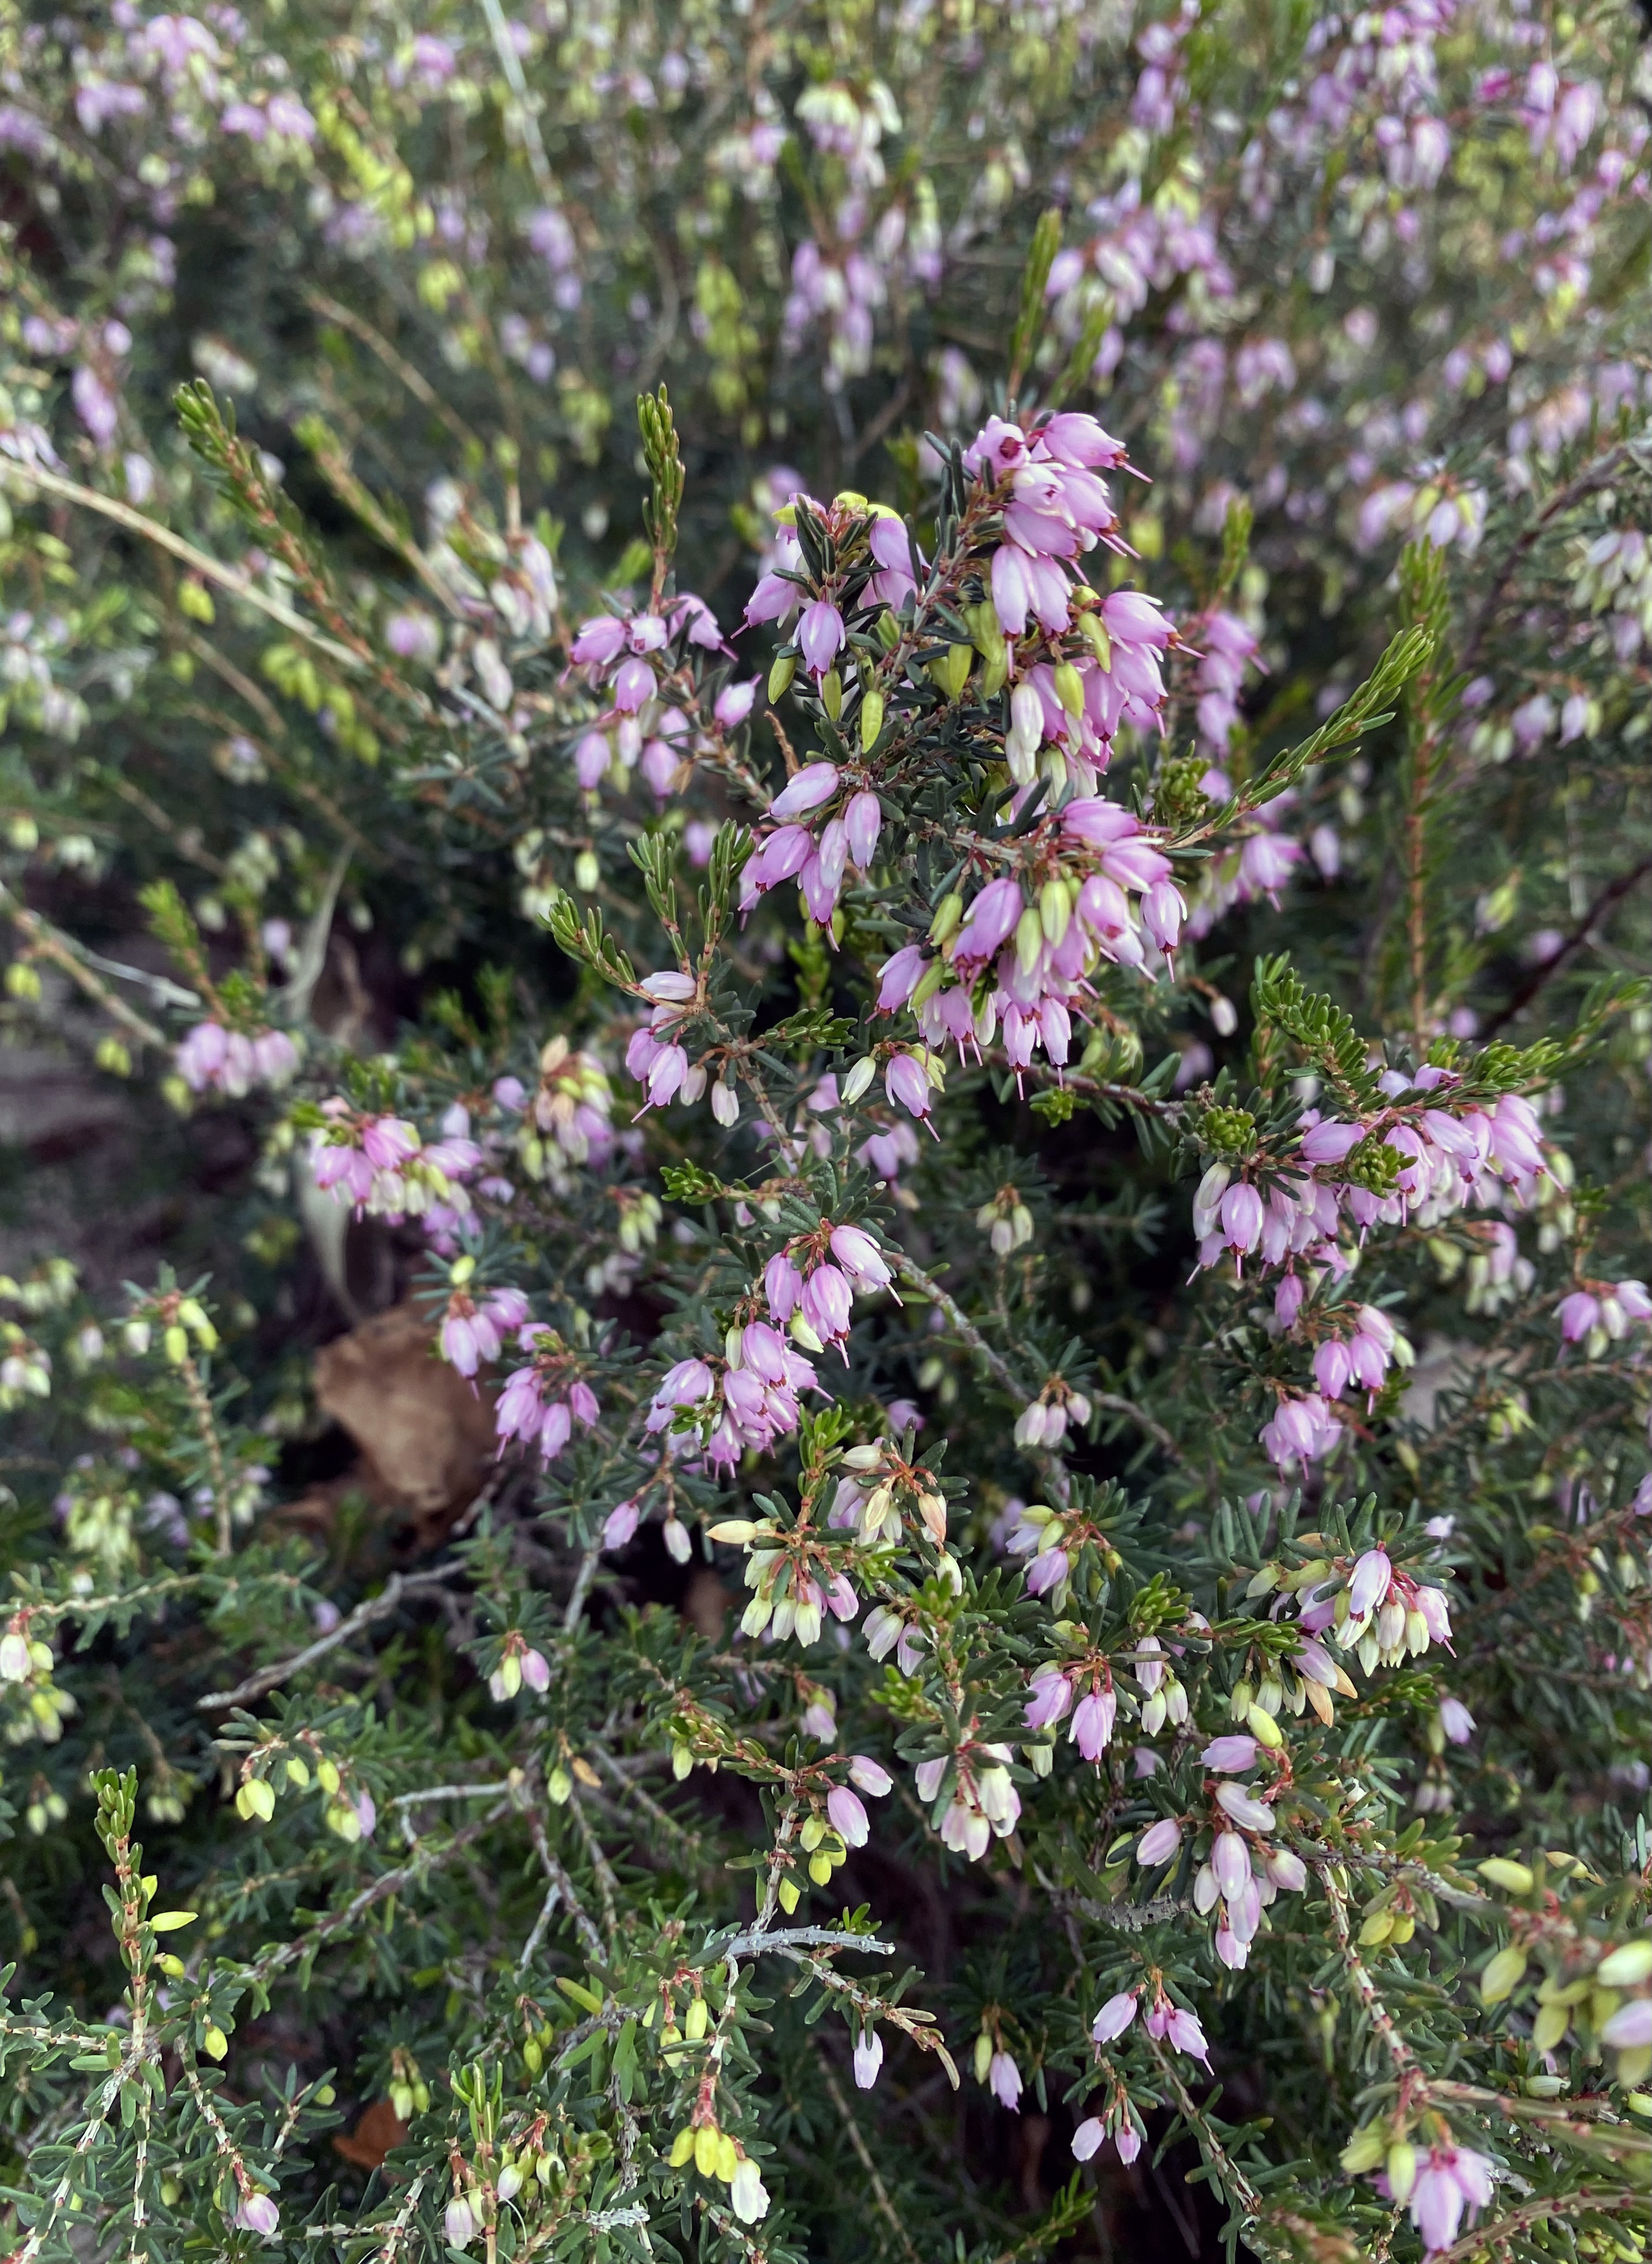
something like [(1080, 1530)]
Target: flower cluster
[(1412, 1161), (1352, 289), (540, 1403), (231, 1062), (384, 1166), (747, 1399)]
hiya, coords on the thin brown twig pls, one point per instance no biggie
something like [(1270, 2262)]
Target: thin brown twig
[(42, 940), (333, 310), (1486, 2238), (1365, 1988), (425, 1858), (1525, 991), (863, 2154), (556, 1873), (200, 562), (397, 1589), (1589, 482)]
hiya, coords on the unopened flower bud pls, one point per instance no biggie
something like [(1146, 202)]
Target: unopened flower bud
[(858, 1079), (1029, 941)]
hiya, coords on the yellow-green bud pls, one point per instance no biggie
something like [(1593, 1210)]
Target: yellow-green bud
[(1502, 1974), (1056, 909), (1093, 629), (948, 915), (783, 669), (1626, 1968), (1364, 2151), (928, 984), (1402, 2168), (259, 1799), (1070, 687), (1501, 1871), (871, 721), (1028, 940), (1550, 2026), (831, 693)]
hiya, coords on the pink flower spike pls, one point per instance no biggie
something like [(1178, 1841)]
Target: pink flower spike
[(783, 1286), (1092, 1728), (1329, 1143), (860, 1257), (1012, 589), (1371, 1576), (898, 976), (848, 1816), (820, 636), (1159, 1842), (735, 702), (814, 784), (1242, 1216), (863, 820), (458, 1343), (1230, 1755), (598, 643), (1114, 2017), (906, 1082), (619, 1525), (1088, 2137), (1186, 2034)]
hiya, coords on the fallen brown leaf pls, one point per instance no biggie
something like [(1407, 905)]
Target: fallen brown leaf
[(426, 1436), (379, 2129)]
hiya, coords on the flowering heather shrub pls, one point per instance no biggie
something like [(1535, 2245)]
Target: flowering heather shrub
[(1004, 1054)]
